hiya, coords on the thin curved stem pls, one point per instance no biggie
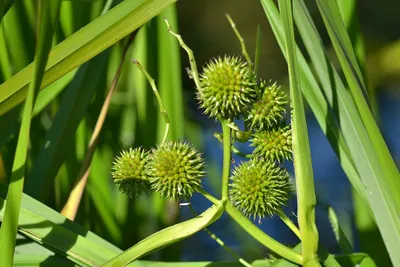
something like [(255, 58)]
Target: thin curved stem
[(242, 43), (289, 223), (159, 100), (210, 197), (193, 72), (226, 168)]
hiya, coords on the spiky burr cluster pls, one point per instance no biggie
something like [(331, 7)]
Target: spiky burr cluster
[(259, 188), (129, 174), (227, 88), (269, 109), (175, 170), (273, 145)]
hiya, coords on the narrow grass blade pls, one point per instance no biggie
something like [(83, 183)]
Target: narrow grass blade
[(83, 45), (317, 100), (20, 46), (258, 50), (48, 17), (71, 207), (351, 69), (355, 259), (60, 235), (339, 101), (301, 148), (168, 236), (21, 260), (5, 64), (72, 109), (387, 211), (338, 232), (169, 75), (50, 92)]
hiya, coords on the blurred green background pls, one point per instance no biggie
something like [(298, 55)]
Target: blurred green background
[(133, 118)]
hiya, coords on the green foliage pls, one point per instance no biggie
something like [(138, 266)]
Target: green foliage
[(78, 59)]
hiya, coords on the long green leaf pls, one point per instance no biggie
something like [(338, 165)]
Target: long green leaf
[(317, 101), (339, 101), (58, 141), (64, 237), (48, 17), (385, 187), (168, 236), (301, 148), (83, 45), (21, 260)]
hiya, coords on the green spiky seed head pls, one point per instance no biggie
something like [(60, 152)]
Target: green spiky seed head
[(274, 144), (268, 111), (259, 188), (227, 88), (175, 170), (128, 172)]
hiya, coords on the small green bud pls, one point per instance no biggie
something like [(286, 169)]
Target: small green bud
[(227, 88), (259, 188), (175, 170), (128, 172), (268, 111), (274, 144)]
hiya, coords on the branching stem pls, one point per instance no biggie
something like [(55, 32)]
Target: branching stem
[(226, 168), (193, 72), (242, 43), (159, 100)]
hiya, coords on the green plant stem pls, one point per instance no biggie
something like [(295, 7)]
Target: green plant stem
[(262, 237), (209, 196), (194, 73), (241, 154), (226, 168), (258, 51), (242, 43), (301, 149), (159, 100), (289, 223), (222, 243)]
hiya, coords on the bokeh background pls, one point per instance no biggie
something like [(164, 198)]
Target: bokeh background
[(203, 26)]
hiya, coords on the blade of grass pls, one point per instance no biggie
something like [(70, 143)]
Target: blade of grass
[(339, 101), (387, 211), (258, 50), (83, 45), (168, 236), (58, 139), (75, 197), (47, 19), (343, 242), (61, 235), (318, 102), (20, 46), (301, 148), (169, 76), (41, 260), (351, 69)]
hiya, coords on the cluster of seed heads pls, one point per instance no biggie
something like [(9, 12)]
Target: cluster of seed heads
[(228, 90), (173, 169)]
